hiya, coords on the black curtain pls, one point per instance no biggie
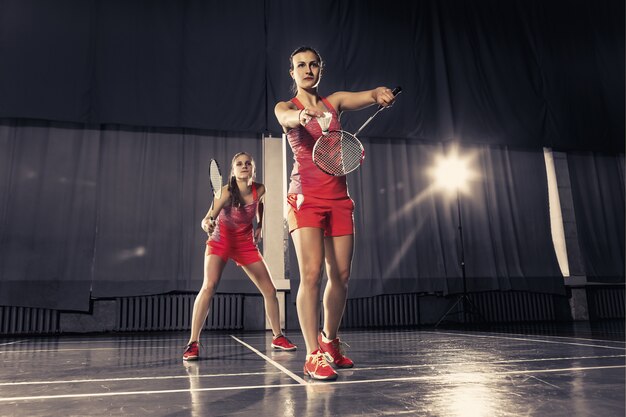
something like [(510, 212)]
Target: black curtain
[(515, 73), (153, 193), (407, 230), (48, 193), (106, 211), (91, 206), (598, 193)]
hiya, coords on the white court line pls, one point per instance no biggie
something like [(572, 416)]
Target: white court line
[(169, 391), (369, 368), (140, 378), (447, 377), (503, 362), (14, 342), (62, 340), (179, 342), (465, 374), (534, 340), (29, 351), (416, 336), (276, 364), (621, 342)]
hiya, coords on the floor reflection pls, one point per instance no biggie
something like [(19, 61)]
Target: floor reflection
[(556, 371), (197, 406)]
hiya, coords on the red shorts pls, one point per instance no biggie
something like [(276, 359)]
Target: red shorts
[(242, 251), (335, 217)]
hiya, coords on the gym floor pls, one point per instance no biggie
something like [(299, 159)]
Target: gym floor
[(569, 369)]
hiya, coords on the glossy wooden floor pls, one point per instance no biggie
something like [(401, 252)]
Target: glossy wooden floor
[(546, 370)]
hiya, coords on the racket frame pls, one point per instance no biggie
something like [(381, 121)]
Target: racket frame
[(215, 177), (395, 92), (217, 190)]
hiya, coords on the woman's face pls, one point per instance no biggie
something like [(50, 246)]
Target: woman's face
[(243, 167), (306, 70)]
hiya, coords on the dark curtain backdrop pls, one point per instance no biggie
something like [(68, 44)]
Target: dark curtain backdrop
[(92, 206), (514, 73), (407, 230), (48, 199), (598, 194), (106, 212)]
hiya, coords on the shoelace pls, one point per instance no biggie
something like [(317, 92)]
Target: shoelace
[(320, 360), (341, 348), (190, 346)]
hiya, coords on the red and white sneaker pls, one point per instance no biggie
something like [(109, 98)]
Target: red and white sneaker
[(316, 367), (191, 352), (334, 352), (281, 342)]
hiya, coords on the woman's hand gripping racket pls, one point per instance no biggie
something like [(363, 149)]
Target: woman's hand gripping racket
[(215, 178), (339, 152)]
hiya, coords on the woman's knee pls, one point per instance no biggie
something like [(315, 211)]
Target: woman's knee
[(268, 292), (311, 278), (208, 288), (340, 277)]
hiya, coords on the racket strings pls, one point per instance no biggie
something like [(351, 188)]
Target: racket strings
[(338, 153), (216, 179)]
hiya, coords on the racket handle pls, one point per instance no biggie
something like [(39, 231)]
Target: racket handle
[(395, 92)]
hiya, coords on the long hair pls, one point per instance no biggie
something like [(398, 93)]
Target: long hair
[(235, 195), (294, 87)]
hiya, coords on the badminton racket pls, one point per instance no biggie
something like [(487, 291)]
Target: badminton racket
[(339, 152), (215, 178)]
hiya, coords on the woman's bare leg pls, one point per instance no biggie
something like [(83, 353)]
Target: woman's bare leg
[(213, 267), (309, 244), (260, 276), (339, 250)]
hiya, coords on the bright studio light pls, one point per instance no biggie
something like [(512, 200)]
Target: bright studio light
[(451, 172)]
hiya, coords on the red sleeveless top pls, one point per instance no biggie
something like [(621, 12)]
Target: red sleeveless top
[(236, 221), (306, 177)]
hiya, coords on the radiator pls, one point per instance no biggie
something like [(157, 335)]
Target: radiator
[(606, 303), (513, 306), (174, 311), (382, 311), (27, 320), (404, 309)]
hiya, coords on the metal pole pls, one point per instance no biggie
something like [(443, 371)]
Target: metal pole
[(458, 206)]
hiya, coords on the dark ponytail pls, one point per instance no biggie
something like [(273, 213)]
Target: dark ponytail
[(235, 195)]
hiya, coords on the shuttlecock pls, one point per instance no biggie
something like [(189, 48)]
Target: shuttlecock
[(324, 121)]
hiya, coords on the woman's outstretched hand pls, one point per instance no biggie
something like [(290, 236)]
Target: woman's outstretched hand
[(384, 96), (306, 115)]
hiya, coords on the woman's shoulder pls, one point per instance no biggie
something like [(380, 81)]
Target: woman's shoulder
[(335, 99), (285, 105), (260, 188), (225, 192)]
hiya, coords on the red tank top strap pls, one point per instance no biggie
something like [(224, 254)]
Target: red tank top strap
[(255, 195), (297, 103), (324, 100), (328, 105)]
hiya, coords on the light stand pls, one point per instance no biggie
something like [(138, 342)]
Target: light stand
[(465, 303)]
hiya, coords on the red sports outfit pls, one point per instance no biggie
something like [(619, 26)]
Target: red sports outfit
[(316, 199), (233, 236)]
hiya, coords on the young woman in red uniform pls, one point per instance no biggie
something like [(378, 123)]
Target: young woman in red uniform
[(231, 236), (321, 211)]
